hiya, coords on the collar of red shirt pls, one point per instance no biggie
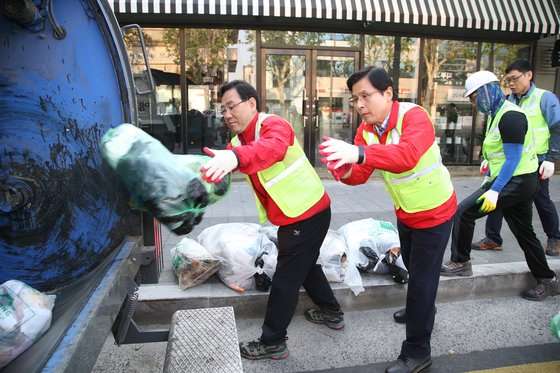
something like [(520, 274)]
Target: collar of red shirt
[(391, 122), (248, 134)]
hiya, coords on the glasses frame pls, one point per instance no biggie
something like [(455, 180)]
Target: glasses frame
[(226, 108), (513, 79), (363, 96)]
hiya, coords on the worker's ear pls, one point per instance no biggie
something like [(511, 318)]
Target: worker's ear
[(388, 93)]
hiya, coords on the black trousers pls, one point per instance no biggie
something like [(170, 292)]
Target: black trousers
[(422, 251), (298, 250), (545, 208), (516, 203)]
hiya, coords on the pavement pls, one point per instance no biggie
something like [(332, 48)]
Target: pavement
[(484, 309)]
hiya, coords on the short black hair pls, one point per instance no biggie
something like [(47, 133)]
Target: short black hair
[(244, 90), (519, 65), (377, 76)]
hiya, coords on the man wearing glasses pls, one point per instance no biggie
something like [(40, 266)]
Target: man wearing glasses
[(398, 139), (543, 109), (289, 194)]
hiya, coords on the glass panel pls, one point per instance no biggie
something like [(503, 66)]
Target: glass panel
[(159, 113), (447, 63), (212, 58), (504, 54), (285, 39), (285, 89), (379, 52), (496, 58), (409, 69), (333, 115)]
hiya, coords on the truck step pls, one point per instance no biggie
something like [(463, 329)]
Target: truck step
[(203, 340)]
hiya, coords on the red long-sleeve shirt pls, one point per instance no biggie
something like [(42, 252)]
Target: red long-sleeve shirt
[(417, 136), (276, 136)]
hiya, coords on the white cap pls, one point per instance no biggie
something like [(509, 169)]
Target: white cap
[(477, 80)]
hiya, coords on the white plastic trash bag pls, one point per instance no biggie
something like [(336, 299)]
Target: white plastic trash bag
[(374, 246), (334, 260), (247, 256), (192, 263), (332, 257), (25, 314)]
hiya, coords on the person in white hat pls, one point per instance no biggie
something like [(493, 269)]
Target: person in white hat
[(511, 185)]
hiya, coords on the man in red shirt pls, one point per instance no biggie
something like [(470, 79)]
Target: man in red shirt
[(398, 138), (290, 194)]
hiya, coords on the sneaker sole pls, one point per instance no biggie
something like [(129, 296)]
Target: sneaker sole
[(499, 248), (422, 367)]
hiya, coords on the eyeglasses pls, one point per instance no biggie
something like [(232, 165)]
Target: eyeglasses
[(230, 108), (513, 79), (364, 96)]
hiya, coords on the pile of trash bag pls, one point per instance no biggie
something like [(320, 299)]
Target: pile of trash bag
[(192, 263), (167, 185), (247, 256), (25, 314), (374, 247)]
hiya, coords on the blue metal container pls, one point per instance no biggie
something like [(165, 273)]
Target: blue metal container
[(64, 81)]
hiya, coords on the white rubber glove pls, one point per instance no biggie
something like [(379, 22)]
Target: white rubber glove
[(483, 167), (339, 151), (489, 201), (222, 163), (546, 170)]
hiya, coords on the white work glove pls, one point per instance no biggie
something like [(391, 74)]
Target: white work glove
[(489, 200), (546, 170), (484, 167), (222, 163), (338, 151)]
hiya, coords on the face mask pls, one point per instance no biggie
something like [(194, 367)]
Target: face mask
[(489, 98)]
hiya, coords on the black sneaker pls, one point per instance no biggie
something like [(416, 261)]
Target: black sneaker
[(334, 320), (545, 288), (256, 350), (452, 268)]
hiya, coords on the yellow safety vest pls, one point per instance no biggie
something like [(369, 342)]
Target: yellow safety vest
[(532, 106), (424, 187), (493, 148), (292, 183)]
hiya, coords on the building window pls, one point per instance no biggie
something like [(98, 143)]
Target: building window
[(409, 69), (445, 66), (159, 113), (283, 39), (212, 58)]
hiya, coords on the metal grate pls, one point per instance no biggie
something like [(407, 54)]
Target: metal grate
[(203, 340)]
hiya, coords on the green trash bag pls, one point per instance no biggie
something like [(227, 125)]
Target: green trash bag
[(555, 326), (167, 185)]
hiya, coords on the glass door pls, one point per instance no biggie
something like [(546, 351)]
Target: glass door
[(332, 115), (285, 88), (308, 88)]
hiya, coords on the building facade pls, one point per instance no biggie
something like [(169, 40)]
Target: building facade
[(299, 53)]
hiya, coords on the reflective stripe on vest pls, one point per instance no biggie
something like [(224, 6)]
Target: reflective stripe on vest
[(292, 183), (532, 107), (493, 148), (424, 187)]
